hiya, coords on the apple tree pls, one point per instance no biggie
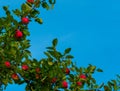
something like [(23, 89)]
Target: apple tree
[(56, 72)]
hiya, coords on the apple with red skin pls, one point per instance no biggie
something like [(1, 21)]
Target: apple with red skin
[(82, 76), (15, 76), (54, 80), (25, 67), (18, 34), (37, 70), (64, 84), (7, 64), (79, 83), (25, 20), (67, 71), (37, 76), (30, 1)]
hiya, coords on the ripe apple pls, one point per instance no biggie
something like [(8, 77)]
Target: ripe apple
[(18, 34), (30, 1), (67, 71), (15, 76), (37, 76), (54, 80), (25, 67), (64, 84), (25, 20), (7, 64), (37, 70), (79, 83), (82, 76)]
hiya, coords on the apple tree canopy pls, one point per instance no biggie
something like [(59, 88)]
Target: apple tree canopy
[(55, 72)]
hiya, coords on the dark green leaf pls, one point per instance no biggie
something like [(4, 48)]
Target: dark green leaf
[(47, 54), (34, 13), (106, 88), (54, 42), (5, 8), (26, 8), (39, 20), (67, 50), (50, 48), (45, 5), (69, 56), (52, 1), (115, 85), (101, 85), (99, 70), (17, 12), (93, 80), (37, 3)]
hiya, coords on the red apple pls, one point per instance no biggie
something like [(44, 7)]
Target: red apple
[(64, 84), (37, 76), (18, 34), (79, 83), (37, 70), (25, 20), (54, 80), (7, 64), (25, 67), (15, 76), (67, 71), (82, 76), (30, 1)]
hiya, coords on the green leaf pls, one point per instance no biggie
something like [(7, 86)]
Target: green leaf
[(37, 3), (115, 85), (81, 70), (91, 68), (26, 8), (67, 50), (110, 84), (118, 76), (72, 68), (50, 63), (12, 51), (27, 53), (45, 5), (34, 13), (5, 8), (54, 42), (52, 53), (7, 11), (64, 78), (5, 81), (99, 70), (47, 54), (26, 33), (23, 7), (71, 76), (101, 85), (44, 78), (93, 80), (17, 12), (10, 81), (106, 88), (30, 4), (52, 1), (69, 56), (50, 48), (39, 20)]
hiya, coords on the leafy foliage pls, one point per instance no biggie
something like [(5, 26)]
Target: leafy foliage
[(55, 72)]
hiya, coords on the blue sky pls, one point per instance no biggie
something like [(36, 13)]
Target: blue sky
[(90, 27)]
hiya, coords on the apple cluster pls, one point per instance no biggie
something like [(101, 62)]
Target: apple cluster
[(18, 33)]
